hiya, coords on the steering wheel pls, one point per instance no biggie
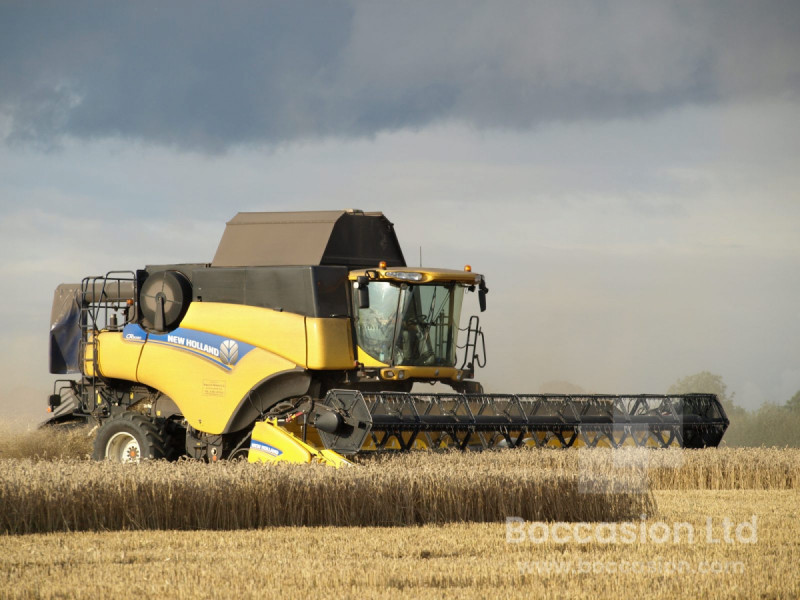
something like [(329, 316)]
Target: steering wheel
[(419, 321)]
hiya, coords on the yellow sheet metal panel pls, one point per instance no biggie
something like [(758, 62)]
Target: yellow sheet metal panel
[(330, 343), (116, 358), (272, 443), (333, 459), (206, 392), (281, 333), (368, 360), (399, 373), (403, 372)]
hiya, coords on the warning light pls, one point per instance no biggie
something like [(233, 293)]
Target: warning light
[(130, 301), (468, 268), (382, 264)]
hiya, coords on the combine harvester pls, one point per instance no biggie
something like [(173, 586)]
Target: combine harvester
[(301, 341)]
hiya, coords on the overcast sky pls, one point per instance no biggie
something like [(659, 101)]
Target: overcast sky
[(624, 173)]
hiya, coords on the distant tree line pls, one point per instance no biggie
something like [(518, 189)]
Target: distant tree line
[(769, 425)]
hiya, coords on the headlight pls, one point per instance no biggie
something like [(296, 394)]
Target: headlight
[(405, 276)]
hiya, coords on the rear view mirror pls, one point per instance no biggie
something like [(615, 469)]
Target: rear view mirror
[(482, 291), (363, 292)]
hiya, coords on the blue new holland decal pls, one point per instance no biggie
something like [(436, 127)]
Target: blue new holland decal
[(266, 448), (222, 351)]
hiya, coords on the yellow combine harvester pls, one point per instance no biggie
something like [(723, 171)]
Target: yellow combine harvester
[(301, 341)]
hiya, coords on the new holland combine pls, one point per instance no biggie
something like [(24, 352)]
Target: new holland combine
[(302, 341)]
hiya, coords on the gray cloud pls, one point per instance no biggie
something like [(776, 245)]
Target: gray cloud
[(621, 255), (209, 75)]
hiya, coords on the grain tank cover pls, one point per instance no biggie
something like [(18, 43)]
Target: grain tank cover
[(353, 239)]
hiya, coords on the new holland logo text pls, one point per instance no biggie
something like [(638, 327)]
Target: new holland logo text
[(272, 450), (194, 344)]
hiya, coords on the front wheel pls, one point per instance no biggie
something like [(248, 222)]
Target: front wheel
[(129, 438)]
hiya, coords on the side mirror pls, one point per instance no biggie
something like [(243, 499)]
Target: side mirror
[(363, 292), (482, 291), (54, 401)]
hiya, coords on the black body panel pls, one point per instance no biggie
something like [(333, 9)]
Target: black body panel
[(309, 291)]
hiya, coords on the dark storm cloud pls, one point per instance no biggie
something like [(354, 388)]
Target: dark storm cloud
[(208, 75)]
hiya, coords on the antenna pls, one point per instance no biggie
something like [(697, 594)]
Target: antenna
[(420, 257)]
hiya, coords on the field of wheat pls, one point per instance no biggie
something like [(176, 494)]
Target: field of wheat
[(456, 560), (423, 525), (410, 489), (38, 496), (44, 444)]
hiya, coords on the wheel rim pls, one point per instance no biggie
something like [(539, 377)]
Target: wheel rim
[(123, 448)]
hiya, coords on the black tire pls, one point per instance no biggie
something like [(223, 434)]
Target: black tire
[(129, 437), (174, 440), (240, 455)]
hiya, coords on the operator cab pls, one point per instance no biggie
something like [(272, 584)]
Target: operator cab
[(408, 319)]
